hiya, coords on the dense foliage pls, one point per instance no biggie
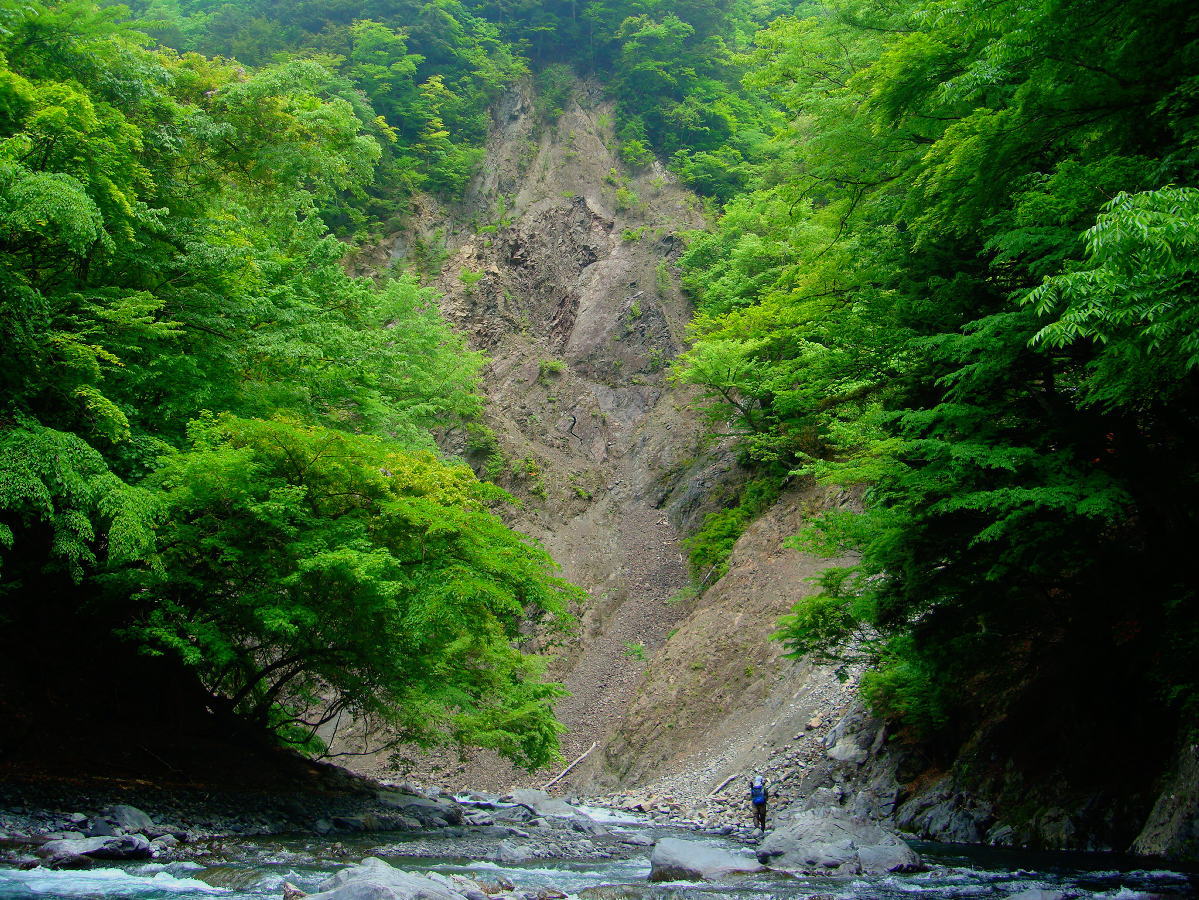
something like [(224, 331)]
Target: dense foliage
[(956, 265), (430, 67), (214, 439), (968, 283)]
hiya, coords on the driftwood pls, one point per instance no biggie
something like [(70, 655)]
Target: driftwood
[(548, 784), (722, 785)]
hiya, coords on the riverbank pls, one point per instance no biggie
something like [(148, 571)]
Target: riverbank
[(242, 867)]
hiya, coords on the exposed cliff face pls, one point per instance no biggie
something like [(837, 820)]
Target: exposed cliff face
[(559, 264)]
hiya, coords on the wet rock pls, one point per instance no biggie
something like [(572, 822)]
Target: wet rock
[(100, 828), (512, 853), (67, 860), (130, 817), (586, 825), (126, 846), (373, 879), (675, 859), (1037, 894), (542, 803), (614, 892), (291, 892), (430, 813), (829, 841), (230, 878)]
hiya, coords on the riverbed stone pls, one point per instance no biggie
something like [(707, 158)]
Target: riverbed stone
[(542, 803), (674, 859), (98, 827), (512, 853), (130, 817), (430, 813), (125, 846), (67, 860), (374, 879), (830, 842)]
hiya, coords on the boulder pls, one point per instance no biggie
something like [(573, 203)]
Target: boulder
[(430, 813), (542, 803), (638, 840), (1037, 894), (68, 860), (674, 859), (373, 879), (512, 853), (125, 846), (830, 842), (130, 817)]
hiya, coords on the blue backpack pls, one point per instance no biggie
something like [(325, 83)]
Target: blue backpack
[(757, 793)]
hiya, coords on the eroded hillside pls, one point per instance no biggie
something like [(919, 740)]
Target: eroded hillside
[(560, 266)]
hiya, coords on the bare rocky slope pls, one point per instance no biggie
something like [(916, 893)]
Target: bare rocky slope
[(559, 265)]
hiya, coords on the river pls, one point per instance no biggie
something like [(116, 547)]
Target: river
[(256, 870)]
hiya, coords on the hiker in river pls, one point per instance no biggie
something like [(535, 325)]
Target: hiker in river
[(758, 796)]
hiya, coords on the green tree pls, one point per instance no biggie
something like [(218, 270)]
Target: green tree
[(304, 572)]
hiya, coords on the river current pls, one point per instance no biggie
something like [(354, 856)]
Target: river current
[(256, 870)]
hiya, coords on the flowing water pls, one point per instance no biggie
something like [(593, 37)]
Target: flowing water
[(257, 870)]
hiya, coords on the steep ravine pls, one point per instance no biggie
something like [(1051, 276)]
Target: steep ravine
[(559, 264)]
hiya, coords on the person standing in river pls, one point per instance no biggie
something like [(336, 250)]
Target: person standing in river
[(758, 795)]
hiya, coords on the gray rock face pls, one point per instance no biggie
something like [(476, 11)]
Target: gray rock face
[(942, 814), (678, 860), (1172, 829), (125, 846), (829, 842)]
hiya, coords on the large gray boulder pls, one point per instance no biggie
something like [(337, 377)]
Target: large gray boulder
[(542, 803), (674, 859), (373, 879), (830, 842), (130, 817), (430, 813), (125, 846), (533, 806)]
